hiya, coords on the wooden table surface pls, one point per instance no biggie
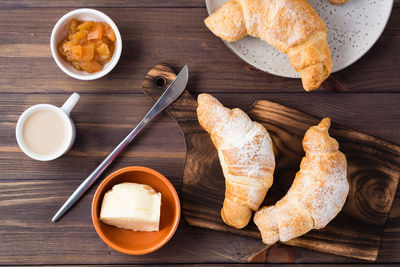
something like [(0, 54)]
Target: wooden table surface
[(170, 31)]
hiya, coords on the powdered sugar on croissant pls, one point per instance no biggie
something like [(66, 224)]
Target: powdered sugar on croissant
[(246, 156), (317, 194), (338, 2), (292, 26)]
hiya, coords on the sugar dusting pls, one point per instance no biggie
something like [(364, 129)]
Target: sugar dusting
[(287, 22), (319, 190), (249, 149), (326, 201)]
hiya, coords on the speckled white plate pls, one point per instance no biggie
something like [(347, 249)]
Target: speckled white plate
[(353, 28)]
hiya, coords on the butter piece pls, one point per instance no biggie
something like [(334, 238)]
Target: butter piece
[(132, 206)]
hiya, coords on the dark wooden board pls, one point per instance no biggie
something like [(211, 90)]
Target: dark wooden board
[(373, 173)]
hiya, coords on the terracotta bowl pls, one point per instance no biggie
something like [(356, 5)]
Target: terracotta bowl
[(128, 241)]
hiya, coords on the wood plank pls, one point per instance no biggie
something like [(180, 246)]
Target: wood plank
[(20, 4), (184, 40), (99, 130), (29, 237), (259, 264), (162, 145), (374, 114)]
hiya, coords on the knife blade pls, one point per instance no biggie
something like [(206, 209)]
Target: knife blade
[(173, 91)]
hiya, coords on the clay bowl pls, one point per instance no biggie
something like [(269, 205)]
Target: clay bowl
[(128, 241)]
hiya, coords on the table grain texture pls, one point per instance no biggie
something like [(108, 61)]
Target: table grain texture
[(170, 31)]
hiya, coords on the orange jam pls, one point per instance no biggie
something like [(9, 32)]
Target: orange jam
[(88, 46)]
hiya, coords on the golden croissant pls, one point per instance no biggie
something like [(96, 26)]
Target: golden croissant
[(338, 2), (317, 194), (246, 156), (291, 26)]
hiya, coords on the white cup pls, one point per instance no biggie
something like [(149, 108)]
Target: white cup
[(64, 112)]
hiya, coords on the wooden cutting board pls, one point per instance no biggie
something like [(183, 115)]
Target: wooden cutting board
[(373, 173)]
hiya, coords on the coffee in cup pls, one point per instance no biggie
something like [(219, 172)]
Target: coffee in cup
[(45, 132)]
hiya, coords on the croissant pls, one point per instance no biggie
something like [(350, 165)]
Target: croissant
[(246, 156), (317, 194), (338, 2), (291, 26)]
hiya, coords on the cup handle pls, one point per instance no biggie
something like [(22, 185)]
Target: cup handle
[(70, 103)]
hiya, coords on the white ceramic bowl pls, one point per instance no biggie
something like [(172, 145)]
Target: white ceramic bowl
[(60, 32)]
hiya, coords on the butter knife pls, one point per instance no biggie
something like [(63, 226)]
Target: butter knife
[(173, 91)]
